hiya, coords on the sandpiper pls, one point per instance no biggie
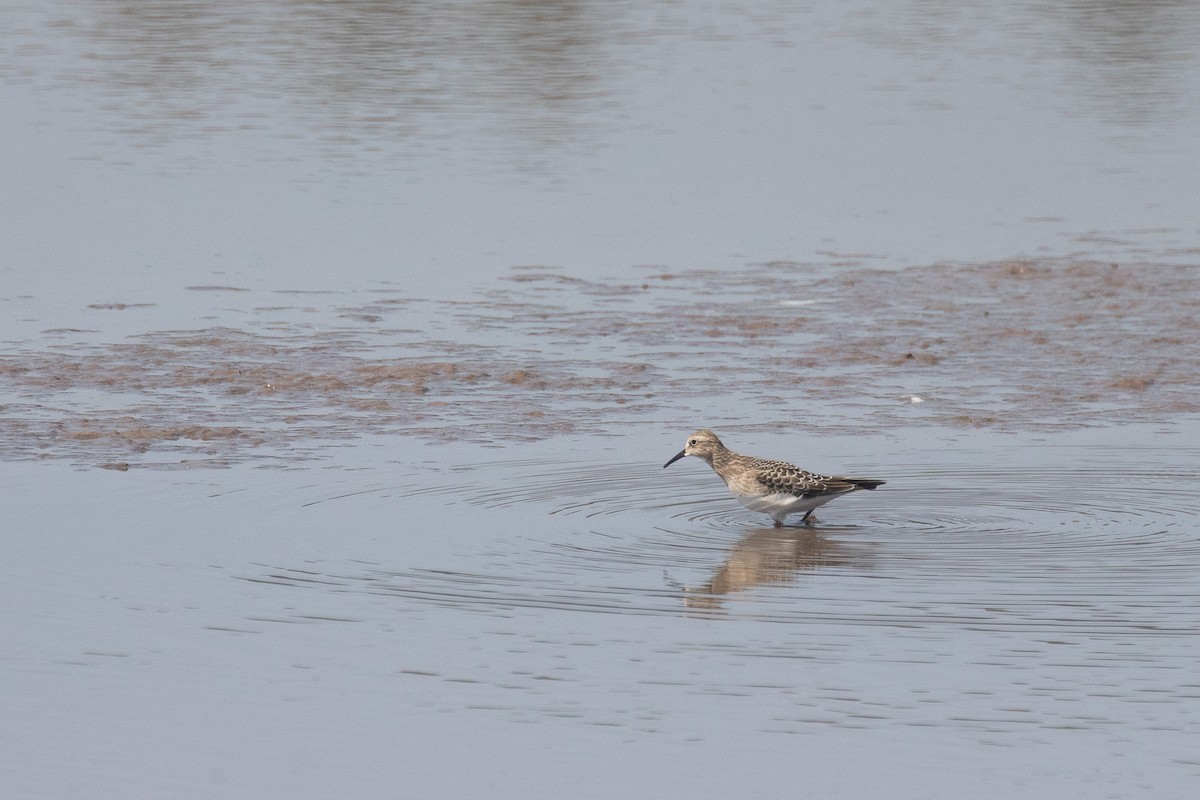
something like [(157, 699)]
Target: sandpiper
[(775, 487)]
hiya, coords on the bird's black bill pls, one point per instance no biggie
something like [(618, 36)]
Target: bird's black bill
[(678, 456)]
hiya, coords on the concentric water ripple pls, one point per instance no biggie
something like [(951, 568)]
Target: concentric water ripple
[(1073, 544)]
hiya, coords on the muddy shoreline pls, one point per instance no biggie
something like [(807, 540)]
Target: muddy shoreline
[(1016, 345)]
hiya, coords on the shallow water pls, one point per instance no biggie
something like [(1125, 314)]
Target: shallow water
[(343, 344), (1019, 606), (155, 145)]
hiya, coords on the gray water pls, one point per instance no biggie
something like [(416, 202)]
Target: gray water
[(343, 344)]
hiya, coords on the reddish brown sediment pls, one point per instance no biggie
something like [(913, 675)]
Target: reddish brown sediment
[(1017, 345)]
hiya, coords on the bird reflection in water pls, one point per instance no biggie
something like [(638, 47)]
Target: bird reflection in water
[(768, 556)]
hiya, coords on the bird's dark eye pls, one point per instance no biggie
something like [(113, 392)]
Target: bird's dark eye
[(692, 442)]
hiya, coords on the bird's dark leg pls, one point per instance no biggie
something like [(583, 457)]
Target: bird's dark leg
[(807, 514), (778, 523)]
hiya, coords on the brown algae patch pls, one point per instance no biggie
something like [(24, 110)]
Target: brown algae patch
[(135, 433), (1015, 345)]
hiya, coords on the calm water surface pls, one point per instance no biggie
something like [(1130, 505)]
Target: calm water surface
[(149, 146), (1021, 608), (343, 343)]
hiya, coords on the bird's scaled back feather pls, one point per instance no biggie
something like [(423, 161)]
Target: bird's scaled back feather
[(780, 476)]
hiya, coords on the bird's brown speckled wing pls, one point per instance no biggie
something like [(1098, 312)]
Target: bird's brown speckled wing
[(780, 476)]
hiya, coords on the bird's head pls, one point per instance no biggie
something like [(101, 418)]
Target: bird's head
[(702, 444)]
